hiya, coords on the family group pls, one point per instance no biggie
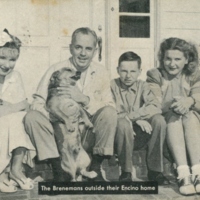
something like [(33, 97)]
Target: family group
[(126, 113)]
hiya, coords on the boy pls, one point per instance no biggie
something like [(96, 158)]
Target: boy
[(139, 120)]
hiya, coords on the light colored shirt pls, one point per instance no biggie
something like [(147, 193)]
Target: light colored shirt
[(13, 88), (137, 100), (96, 85), (166, 89)]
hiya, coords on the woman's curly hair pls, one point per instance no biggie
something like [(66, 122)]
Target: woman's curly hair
[(189, 50)]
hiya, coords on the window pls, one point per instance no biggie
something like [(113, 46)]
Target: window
[(134, 19)]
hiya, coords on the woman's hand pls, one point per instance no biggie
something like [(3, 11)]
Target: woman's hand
[(182, 105), (144, 125), (7, 108), (6, 103)]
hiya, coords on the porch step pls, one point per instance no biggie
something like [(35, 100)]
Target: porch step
[(110, 168)]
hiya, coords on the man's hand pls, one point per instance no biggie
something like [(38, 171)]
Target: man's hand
[(144, 125), (182, 105), (74, 93)]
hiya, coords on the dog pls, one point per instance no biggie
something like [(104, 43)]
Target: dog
[(63, 109)]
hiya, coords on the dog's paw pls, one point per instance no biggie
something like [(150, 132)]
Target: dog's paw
[(93, 130), (92, 174)]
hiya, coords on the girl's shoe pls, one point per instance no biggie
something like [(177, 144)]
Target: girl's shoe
[(186, 186), (197, 184), (4, 187), (10, 182), (23, 183)]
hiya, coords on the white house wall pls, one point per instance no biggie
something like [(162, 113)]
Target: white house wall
[(45, 28)]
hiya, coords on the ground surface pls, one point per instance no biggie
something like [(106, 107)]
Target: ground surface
[(111, 172), (169, 192)]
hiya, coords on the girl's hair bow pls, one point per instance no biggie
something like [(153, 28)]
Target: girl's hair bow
[(7, 37)]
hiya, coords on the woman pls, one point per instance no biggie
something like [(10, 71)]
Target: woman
[(176, 83), (15, 145)]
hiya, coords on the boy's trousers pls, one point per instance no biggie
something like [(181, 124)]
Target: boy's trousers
[(126, 142)]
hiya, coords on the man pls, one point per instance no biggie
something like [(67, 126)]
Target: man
[(139, 120), (92, 91)]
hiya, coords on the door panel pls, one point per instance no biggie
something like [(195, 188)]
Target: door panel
[(7, 15), (132, 29), (32, 19), (32, 64), (73, 14), (45, 28)]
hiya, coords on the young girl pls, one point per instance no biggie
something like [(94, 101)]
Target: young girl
[(15, 145), (176, 83)]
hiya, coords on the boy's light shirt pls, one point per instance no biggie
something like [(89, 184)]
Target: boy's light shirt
[(143, 103)]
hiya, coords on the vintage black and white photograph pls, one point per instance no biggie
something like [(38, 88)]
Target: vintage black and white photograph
[(99, 99)]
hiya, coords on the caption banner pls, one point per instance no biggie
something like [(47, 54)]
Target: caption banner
[(53, 188)]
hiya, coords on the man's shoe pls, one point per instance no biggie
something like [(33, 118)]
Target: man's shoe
[(98, 178), (158, 177), (125, 177), (59, 175), (96, 167)]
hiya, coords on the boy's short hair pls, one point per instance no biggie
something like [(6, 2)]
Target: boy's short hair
[(85, 31), (130, 56)]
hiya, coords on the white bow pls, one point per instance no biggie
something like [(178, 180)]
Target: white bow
[(4, 38)]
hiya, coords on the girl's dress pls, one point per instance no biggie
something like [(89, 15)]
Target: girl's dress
[(12, 133), (180, 86)]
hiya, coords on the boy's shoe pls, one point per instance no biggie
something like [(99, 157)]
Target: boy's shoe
[(125, 177), (159, 177), (186, 186)]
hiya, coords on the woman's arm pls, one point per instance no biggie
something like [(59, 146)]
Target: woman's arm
[(192, 101), (154, 82), (182, 105), (8, 108)]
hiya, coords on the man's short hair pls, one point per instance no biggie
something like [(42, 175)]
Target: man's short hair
[(129, 56), (85, 31)]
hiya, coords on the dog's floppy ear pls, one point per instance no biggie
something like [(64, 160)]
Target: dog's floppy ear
[(54, 79)]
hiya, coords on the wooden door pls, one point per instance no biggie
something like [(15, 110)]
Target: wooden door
[(132, 25)]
